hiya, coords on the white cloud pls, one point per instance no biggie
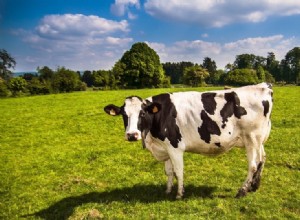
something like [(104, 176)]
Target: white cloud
[(77, 41), (120, 7), (196, 51), (218, 13), (78, 24)]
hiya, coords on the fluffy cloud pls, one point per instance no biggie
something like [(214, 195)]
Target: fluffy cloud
[(217, 13), (196, 51), (78, 41), (78, 24), (120, 7)]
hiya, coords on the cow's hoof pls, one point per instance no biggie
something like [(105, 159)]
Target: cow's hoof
[(255, 184), (241, 193)]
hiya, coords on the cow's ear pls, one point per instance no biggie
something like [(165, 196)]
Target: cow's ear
[(112, 110), (153, 108)]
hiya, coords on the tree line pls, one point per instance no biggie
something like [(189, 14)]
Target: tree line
[(140, 67)]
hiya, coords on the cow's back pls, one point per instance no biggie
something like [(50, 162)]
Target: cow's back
[(213, 122)]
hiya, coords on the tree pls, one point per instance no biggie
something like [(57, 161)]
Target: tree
[(219, 76), (87, 77), (211, 67), (195, 76), (117, 74), (139, 68), (45, 73), (268, 77), (101, 78), (244, 61), (6, 62), (273, 66), (4, 91), (241, 77), (249, 61), (291, 66), (17, 85), (261, 74), (66, 80), (38, 86), (175, 70)]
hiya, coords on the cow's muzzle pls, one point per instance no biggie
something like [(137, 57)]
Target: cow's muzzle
[(132, 136)]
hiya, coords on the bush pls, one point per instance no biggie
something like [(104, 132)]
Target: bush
[(269, 78), (241, 77), (18, 86), (81, 86), (195, 76), (65, 80), (4, 91), (35, 87)]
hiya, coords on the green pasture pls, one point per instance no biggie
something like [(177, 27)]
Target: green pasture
[(62, 157)]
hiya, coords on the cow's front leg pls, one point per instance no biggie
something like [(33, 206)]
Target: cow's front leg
[(176, 156), (170, 174), (252, 167), (256, 158)]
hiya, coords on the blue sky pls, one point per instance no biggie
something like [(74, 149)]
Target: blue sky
[(94, 34)]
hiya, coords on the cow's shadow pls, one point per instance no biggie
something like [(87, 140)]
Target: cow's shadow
[(138, 193)]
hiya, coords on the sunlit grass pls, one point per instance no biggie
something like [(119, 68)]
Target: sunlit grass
[(62, 157)]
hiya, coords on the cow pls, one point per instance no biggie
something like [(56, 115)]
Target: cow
[(209, 123)]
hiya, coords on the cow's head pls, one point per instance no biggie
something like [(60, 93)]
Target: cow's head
[(137, 116)]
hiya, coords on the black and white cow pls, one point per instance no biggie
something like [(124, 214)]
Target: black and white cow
[(208, 123)]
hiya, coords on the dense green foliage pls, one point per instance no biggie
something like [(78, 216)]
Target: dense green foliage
[(246, 69), (65, 80), (46, 82), (241, 77), (4, 91), (17, 85), (139, 67), (6, 63), (291, 64), (195, 76), (62, 157), (175, 70)]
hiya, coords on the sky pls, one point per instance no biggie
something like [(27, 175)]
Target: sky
[(94, 34)]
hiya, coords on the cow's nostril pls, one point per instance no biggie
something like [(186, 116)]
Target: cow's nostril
[(132, 136)]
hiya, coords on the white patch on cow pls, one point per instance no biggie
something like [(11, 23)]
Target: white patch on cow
[(132, 109), (157, 147)]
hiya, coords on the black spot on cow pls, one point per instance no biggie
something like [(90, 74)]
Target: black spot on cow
[(266, 106), (218, 144), (272, 96), (208, 127), (209, 102), (164, 122), (231, 107)]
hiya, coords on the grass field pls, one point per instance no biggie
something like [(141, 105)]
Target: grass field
[(62, 157)]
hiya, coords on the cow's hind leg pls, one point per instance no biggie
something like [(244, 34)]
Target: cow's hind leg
[(257, 175), (256, 178), (256, 159)]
